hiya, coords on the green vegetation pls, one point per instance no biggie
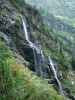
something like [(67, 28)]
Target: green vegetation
[(70, 21), (18, 2), (69, 83), (18, 83)]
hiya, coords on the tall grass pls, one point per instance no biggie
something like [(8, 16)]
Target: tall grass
[(19, 83)]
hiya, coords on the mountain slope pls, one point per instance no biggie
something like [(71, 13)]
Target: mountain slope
[(16, 49), (56, 7)]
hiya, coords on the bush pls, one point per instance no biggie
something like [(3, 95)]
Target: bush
[(19, 83)]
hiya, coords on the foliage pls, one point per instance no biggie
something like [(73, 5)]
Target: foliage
[(69, 83), (18, 83), (19, 4)]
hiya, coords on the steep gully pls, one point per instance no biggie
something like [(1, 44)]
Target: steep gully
[(39, 58)]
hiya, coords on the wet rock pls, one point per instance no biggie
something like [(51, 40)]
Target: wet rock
[(53, 81)]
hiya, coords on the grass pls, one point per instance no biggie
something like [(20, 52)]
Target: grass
[(17, 82)]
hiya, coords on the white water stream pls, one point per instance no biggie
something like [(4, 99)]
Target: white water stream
[(38, 51), (55, 75)]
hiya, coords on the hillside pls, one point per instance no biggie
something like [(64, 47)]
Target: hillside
[(37, 59), (56, 7)]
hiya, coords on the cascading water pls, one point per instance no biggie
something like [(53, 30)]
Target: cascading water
[(55, 75), (32, 45), (39, 57), (38, 54), (25, 29), (42, 55)]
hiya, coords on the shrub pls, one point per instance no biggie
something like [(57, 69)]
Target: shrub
[(19, 83)]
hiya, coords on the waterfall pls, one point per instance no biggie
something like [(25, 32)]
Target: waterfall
[(39, 59), (37, 51), (43, 58), (25, 29), (26, 32), (55, 75), (32, 45)]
